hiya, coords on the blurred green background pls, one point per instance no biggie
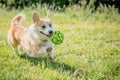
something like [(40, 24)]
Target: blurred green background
[(56, 4)]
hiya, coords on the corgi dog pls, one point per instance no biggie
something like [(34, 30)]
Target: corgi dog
[(35, 40)]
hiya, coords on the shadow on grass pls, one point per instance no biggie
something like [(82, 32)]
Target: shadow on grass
[(49, 64)]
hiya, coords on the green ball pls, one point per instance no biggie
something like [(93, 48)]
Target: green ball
[(57, 37)]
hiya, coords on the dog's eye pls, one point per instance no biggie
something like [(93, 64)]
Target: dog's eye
[(43, 27)]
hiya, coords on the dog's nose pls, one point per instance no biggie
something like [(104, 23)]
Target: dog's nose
[(50, 32)]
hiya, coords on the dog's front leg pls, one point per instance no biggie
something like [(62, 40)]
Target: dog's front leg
[(42, 50), (50, 51)]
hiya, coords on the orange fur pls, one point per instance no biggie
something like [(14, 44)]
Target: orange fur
[(18, 32)]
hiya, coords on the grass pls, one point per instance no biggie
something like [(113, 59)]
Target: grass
[(90, 51)]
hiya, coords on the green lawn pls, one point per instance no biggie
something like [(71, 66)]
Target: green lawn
[(90, 51)]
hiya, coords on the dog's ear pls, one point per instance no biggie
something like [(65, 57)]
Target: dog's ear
[(48, 17), (35, 17)]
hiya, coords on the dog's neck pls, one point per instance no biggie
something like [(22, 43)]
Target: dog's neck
[(44, 40)]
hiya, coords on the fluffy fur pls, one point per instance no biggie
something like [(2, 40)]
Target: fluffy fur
[(35, 40)]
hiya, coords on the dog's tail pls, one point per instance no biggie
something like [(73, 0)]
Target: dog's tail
[(17, 19)]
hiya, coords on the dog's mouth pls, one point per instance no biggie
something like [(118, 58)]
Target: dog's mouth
[(45, 34)]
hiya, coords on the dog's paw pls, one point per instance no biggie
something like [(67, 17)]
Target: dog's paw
[(48, 49), (51, 58)]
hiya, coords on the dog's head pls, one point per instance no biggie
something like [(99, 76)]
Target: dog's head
[(42, 26)]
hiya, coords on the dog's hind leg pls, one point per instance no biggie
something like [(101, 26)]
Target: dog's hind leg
[(11, 40)]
